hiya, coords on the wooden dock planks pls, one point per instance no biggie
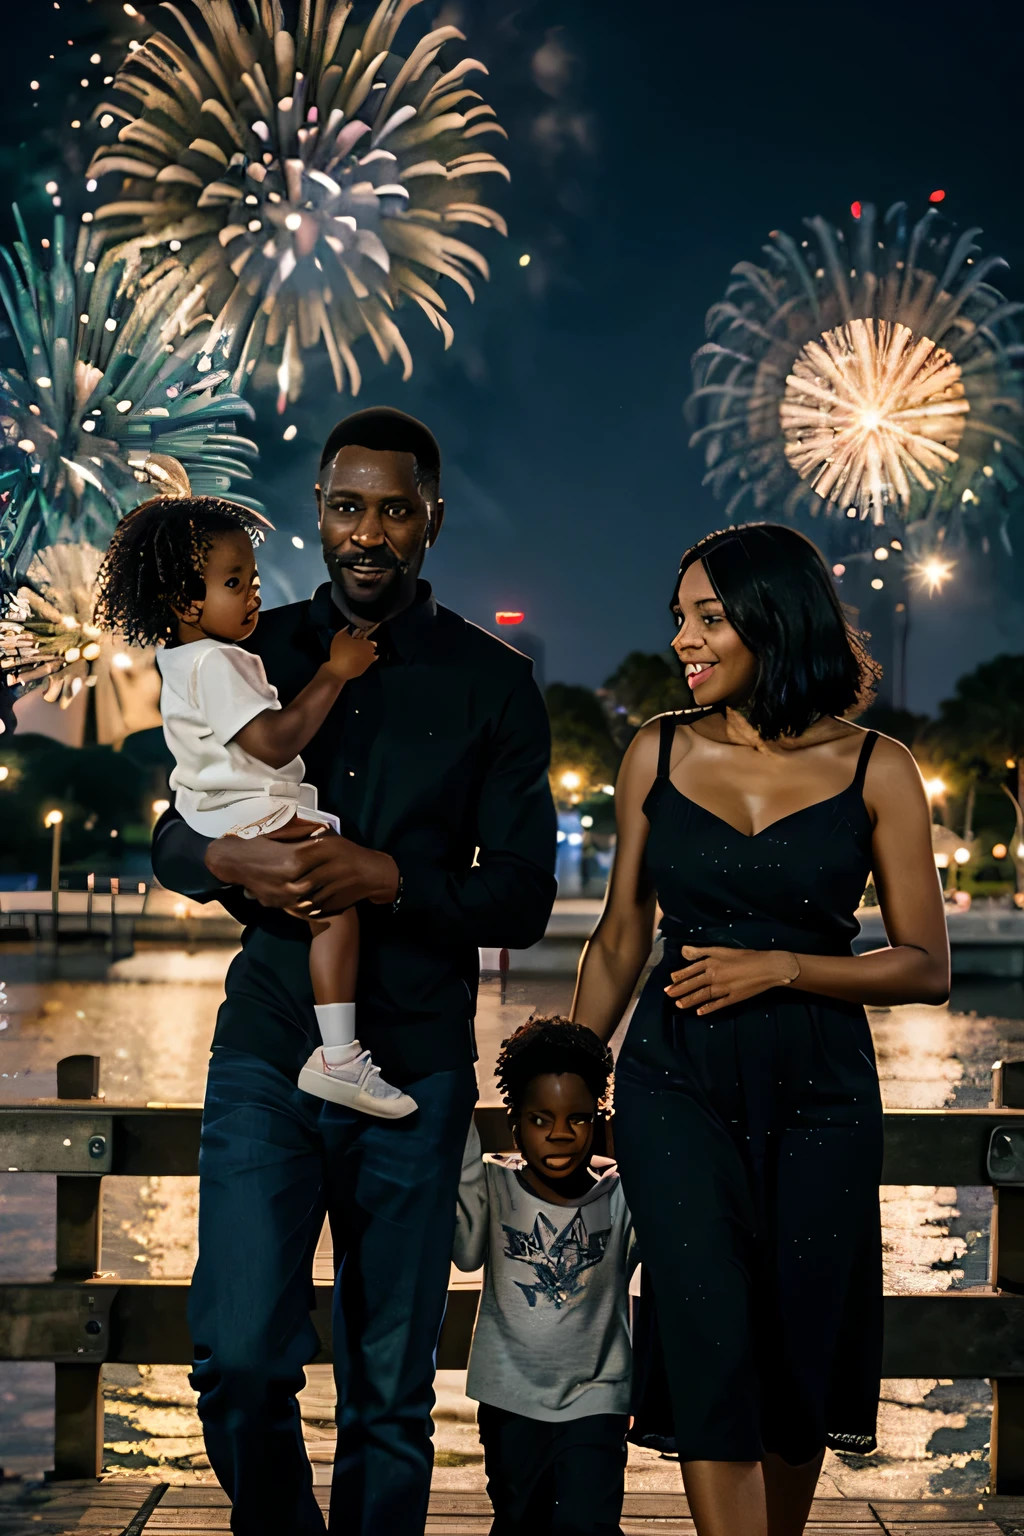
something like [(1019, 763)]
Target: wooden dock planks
[(109, 1508)]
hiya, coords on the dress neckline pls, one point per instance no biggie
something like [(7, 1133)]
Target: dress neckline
[(751, 837), (856, 784)]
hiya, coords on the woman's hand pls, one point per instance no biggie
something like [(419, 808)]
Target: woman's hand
[(718, 977)]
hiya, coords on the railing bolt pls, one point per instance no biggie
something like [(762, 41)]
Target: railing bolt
[(94, 1326), (97, 1146)]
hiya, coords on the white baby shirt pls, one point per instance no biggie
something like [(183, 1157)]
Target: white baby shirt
[(210, 691)]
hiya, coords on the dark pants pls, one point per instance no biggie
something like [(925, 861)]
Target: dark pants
[(551, 1479), (273, 1161)]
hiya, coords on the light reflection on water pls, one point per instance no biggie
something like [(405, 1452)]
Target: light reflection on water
[(150, 1019)]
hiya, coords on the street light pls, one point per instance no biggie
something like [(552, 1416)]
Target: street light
[(570, 780), (158, 807), (935, 789), (53, 820)]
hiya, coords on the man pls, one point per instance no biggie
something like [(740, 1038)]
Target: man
[(435, 761)]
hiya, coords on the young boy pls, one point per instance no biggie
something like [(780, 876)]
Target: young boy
[(181, 574), (551, 1361)]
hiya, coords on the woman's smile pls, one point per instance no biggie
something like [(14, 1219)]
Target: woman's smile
[(698, 672)]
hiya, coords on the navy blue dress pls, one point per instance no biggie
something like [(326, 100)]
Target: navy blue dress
[(750, 1143)]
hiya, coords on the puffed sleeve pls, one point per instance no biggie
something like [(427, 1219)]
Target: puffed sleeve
[(230, 688)]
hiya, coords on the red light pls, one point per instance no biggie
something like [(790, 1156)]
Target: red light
[(936, 197), (509, 618), (855, 210)]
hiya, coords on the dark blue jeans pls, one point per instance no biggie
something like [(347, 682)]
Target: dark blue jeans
[(273, 1161)]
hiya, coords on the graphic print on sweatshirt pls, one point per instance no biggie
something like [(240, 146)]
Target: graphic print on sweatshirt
[(559, 1259)]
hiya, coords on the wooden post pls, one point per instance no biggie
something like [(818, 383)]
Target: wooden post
[(78, 1389), (1007, 1274)]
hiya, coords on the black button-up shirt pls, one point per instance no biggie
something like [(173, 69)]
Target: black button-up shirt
[(437, 755)]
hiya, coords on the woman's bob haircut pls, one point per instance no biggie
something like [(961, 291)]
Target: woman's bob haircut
[(778, 596)]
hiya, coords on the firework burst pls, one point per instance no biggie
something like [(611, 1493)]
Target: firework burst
[(49, 642), (108, 382), (306, 181), (875, 376)]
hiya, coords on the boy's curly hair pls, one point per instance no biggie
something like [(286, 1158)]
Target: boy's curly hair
[(549, 1043), (155, 562)]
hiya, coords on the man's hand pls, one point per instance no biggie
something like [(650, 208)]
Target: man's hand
[(319, 876), (720, 977)]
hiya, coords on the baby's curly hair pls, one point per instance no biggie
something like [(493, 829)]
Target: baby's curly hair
[(155, 562), (549, 1043)]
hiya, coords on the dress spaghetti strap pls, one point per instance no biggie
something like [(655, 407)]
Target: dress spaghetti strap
[(668, 736), (862, 761)]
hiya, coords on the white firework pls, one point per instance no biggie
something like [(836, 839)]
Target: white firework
[(307, 180), (876, 376)]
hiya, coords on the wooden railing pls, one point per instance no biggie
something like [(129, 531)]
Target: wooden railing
[(80, 1320)]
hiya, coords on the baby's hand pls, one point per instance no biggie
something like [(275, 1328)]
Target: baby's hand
[(351, 655)]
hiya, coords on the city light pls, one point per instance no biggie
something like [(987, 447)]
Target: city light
[(1000, 851), (877, 584), (159, 806), (524, 260), (933, 573), (1011, 762), (509, 617), (575, 839), (937, 196), (934, 788), (4, 772), (298, 543), (588, 822), (53, 818), (942, 861), (607, 789), (881, 553), (855, 209), (839, 570), (570, 780), (962, 855)]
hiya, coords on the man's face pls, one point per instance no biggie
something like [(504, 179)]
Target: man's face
[(375, 526)]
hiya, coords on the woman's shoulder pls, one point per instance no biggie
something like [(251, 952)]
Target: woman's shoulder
[(891, 765)]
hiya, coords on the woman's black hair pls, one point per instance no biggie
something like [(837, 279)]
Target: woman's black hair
[(778, 595), (155, 562), (548, 1043)]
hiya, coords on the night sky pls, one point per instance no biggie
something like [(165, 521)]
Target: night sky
[(651, 147)]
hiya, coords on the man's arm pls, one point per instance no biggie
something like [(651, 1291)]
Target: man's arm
[(179, 863), (506, 898)]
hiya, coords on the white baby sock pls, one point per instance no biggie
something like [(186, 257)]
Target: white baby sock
[(337, 1023)]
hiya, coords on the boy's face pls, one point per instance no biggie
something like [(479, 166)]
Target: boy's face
[(555, 1128)]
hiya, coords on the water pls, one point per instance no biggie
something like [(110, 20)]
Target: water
[(150, 1019)]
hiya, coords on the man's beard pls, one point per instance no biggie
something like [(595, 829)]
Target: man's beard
[(375, 608)]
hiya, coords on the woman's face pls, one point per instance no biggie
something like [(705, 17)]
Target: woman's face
[(719, 667)]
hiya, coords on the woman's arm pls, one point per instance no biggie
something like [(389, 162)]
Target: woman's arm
[(276, 736), (621, 943), (914, 968)]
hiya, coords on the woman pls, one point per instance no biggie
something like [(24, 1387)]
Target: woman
[(748, 1120)]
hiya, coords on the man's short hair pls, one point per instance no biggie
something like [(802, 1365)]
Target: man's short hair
[(385, 430)]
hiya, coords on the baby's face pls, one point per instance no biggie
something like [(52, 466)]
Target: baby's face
[(232, 603)]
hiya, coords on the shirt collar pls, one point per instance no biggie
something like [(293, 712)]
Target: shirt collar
[(401, 635)]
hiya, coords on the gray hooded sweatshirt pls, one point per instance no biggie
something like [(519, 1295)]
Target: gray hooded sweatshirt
[(552, 1334)]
